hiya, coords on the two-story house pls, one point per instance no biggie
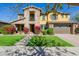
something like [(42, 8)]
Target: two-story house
[(59, 21)]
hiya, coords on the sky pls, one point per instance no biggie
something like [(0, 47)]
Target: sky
[(8, 13)]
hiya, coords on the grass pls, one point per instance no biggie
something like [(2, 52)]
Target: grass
[(48, 41), (6, 40)]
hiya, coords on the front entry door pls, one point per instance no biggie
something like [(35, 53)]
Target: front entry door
[(32, 28)]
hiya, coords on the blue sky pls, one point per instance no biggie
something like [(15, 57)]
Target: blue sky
[(8, 14)]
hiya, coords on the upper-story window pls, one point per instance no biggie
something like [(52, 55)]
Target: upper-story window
[(32, 16), (53, 16)]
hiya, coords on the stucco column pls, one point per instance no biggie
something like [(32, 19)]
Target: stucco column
[(26, 20), (51, 25), (73, 28)]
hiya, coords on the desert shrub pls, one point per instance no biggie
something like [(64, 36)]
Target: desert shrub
[(25, 30), (77, 30), (38, 41), (47, 41), (7, 29), (50, 31), (41, 41)]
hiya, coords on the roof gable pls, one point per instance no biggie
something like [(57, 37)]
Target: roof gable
[(32, 7)]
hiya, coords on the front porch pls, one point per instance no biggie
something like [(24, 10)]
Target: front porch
[(19, 28)]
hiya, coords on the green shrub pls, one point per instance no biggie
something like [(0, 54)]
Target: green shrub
[(77, 30), (40, 41), (37, 41), (2, 31), (50, 31), (44, 32), (47, 41)]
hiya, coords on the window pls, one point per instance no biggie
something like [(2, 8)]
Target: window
[(32, 15), (43, 17), (53, 16)]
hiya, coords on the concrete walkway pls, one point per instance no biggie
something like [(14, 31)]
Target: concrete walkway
[(73, 39), (38, 51)]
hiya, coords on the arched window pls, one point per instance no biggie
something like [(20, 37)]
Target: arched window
[(53, 16)]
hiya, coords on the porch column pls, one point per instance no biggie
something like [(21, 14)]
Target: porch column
[(73, 26), (51, 25)]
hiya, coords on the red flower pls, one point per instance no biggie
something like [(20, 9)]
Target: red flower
[(37, 27), (10, 29), (25, 30)]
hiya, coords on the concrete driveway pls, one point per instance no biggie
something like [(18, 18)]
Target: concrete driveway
[(73, 39)]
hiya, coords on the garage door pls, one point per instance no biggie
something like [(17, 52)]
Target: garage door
[(62, 29)]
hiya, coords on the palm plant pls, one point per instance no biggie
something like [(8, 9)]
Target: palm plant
[(57, 6), (47, 10), (60, 5), (77, 17)]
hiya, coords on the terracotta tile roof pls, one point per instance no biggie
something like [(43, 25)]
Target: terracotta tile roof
[(57, 12), (4, 22)]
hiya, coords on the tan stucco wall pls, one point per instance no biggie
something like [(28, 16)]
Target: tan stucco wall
[(42, 21), (26, 16), (20, 17), (59, 17)]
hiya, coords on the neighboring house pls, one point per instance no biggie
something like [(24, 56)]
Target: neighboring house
[(59, 21), (3, 23)]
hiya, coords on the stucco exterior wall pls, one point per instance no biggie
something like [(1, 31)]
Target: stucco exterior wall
[(27, 16), (65, 18), (59, 17), (42, 21), (39, 17), (20, 17)]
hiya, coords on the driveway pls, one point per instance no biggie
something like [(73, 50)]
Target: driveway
[(73, 39)]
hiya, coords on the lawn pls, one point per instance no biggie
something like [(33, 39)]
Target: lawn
[(48, 41), (6, 40)]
